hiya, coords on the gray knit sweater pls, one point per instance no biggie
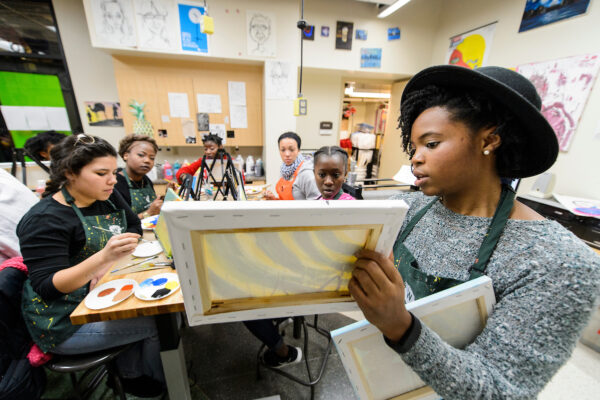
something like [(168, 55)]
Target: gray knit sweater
[(546, 282)]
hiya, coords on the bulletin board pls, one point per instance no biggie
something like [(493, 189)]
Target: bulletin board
[(150, 80)]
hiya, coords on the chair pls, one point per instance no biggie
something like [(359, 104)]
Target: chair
[(300, 325), (95, 366)]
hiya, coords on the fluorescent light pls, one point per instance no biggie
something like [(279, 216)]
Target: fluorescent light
[(349, 91), (389, 10)]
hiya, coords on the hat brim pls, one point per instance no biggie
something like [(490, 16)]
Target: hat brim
[(541, 145)]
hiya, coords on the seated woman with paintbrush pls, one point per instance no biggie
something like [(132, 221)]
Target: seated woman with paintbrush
[(68, 241)]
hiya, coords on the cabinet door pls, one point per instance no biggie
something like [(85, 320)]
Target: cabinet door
[(180, 130)]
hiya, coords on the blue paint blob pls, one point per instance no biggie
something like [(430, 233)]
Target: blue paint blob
[(147, 282), (160, 281)]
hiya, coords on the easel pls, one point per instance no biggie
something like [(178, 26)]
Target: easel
[(230, 181)]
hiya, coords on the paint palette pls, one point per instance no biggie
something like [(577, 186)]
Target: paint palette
[(157, 287), (110, 293), (148, 249), (149, 223)]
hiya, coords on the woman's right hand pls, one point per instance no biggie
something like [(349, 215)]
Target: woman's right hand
[(119, 246), (270, 195), (155, 206)]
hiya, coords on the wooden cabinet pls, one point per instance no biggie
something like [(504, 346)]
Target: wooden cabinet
[(149, 80)]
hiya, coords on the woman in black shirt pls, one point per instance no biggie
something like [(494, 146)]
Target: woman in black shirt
[(67, 249)]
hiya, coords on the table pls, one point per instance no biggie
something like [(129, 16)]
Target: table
[(165, 312)]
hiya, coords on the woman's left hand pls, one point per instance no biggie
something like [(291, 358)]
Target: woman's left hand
[(378, 289), (155, 206)]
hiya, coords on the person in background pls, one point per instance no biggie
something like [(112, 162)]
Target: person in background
[(212, 145), (463, 130), (297, 180), (331, 167), (15, 200), (40, 145), (138, 152), (69, 240)]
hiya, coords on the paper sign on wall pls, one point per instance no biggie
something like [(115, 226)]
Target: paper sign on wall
[(239, 118), (209, 103), (178, 105), (237, 93)]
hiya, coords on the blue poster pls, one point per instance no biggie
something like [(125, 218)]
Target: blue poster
[(189, 21), (370, 58), (393, 33)]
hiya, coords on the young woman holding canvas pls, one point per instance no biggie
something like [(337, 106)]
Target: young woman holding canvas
[(464, 130)]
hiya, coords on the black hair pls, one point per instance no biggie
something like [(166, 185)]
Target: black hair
[(38, 143), (128, 141), (330, 151), (477, 111), (290, 135), (216, 139), (71, 155)]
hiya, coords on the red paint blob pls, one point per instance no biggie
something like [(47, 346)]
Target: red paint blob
[(106, 292)]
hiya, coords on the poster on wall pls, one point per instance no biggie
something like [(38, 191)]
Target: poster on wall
[(156, 22), (543, 12), (102, 113), (280, 80), (308, 33), (261, 34), (564, 86), (114, 22), (370, 58), (189, 24), (343, 35), (471, 49)]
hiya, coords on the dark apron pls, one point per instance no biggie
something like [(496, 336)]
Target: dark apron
[(141, 198), (48, 322), (417, 283)]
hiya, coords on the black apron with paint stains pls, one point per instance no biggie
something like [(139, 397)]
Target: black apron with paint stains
[(48, 322), (419, 284), (141, 197)]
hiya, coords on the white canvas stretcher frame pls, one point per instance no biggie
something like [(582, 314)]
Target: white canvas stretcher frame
[(377, 372), (210, 280)]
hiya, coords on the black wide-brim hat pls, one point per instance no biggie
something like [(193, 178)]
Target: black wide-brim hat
[(513, 91)]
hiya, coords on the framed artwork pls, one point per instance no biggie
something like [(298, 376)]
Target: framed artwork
[(343, 35), (471, 49), (370, 58), (240, 261), (361, 34), (394, 33), (539, 13), (325, 31), (377, 372), (308, 33), (101, 113)]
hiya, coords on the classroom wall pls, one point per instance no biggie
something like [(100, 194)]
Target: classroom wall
[(577, 169)]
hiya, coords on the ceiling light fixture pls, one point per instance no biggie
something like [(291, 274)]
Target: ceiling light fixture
[(349, 91), (389, 10)]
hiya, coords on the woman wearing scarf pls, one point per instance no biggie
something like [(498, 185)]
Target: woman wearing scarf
[(297, 177)]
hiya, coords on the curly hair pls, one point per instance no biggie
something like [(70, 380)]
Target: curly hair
[(38, 143), (216, 139), (128, 141), (474, 109), (290, 135), (71, 155), (330, 151)]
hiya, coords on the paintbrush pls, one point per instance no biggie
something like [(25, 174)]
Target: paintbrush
[(112, 233), (133, 264)]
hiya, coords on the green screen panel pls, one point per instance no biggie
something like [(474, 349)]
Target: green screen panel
[(22, 89)]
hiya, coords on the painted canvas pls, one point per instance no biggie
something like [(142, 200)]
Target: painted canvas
[(325, 31), (564, 86), (394, 33), (343, 35), (370, 58), (471, 49), (156, 22), (361, 34), (192, 38), (308, 33), (114, 22), (261, 34), (543, 12), (101, 113), (377, 372), (250, 260)]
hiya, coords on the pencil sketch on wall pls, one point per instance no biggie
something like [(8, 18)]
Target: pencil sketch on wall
[(156, 21), (114, 22), (281, 77), (261, 33)]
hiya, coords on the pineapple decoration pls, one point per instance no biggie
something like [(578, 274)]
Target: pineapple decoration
[(141, 126)]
